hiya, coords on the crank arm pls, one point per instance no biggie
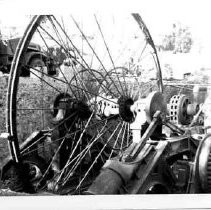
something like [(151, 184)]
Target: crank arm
[(137, 147)]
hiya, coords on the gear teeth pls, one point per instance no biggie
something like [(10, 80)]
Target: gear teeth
[(178, 113), (209, 174), (124, 108)]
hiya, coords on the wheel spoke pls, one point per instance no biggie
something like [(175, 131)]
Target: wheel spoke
[(46, 82), (95, 54), (109, 53), (49, 132), (97, 157), (55, 154), (76, 146), (81, 56), (116, 141), (83, 153), (75, 86)]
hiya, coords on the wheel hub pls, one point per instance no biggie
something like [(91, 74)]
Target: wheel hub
[(65, 106), (125, 112)]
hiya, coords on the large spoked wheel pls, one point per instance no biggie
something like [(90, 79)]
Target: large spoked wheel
[(81, 116)]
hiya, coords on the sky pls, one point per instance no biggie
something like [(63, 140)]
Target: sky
[(159, 16)]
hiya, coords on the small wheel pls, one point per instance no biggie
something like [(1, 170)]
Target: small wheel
[(35, 168), (24, 176), (13, 176)]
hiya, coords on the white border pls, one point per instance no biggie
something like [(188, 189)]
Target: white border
[(112, 201)]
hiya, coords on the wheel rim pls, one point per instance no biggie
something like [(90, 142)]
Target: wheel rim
[(96, 131)]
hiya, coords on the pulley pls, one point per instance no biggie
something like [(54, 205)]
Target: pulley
[(154, 102), (182, 110)]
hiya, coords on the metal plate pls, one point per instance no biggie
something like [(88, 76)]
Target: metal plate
[(155, 102)]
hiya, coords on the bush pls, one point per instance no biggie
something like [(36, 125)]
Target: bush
[(178, 41)]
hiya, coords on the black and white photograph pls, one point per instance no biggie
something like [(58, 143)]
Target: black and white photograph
[(106, 102)]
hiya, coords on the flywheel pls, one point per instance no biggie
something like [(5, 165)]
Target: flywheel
[(203, 164)]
